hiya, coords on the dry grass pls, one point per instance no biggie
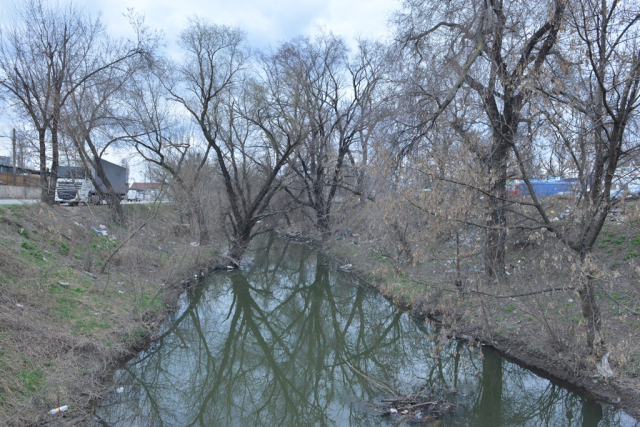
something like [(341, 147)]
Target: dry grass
[(542, 327), (63, 324)]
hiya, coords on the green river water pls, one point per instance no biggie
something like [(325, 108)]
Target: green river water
[(290, 341)]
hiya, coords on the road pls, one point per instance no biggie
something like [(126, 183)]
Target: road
[(18, 201)]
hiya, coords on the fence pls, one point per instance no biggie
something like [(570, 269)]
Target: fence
[(11, 192), (22, 180)]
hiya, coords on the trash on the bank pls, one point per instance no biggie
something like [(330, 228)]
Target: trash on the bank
[(119, 283), (604, 368), (19, 305), (63, 283), (120, 292), (346, 267), (120, 390), (104, 233), (60, 409), (96, 230), (195, 244), (102, 227), (230, 267), (393, 411)]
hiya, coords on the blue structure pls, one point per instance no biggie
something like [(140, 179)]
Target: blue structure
[(543, 188)]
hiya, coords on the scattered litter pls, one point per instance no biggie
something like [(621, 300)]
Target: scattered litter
[(230, 267), (119, 283), (20, 305), (104, 233), (44, 259), (570, 300), (102, 227), (60, 409), (604, 368), (346, 267), (120, 390), (96, 230), (78, 224), (63, 283), (159, 248), (86, 272), (195, 244), (120, 292), (393, 411)]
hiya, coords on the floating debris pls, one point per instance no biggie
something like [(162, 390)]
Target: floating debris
[(416, 408)]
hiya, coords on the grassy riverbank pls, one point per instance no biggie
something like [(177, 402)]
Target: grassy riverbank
[(534, 316), (66, 319)]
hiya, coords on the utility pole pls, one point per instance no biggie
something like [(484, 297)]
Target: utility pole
[(13, 140)]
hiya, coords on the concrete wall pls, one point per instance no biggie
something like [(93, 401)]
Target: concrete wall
[(11, 192)]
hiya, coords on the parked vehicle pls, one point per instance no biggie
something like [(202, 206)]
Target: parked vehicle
[(134, 196), (75, 186)]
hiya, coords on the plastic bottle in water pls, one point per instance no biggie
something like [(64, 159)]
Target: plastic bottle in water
[(60, 409)]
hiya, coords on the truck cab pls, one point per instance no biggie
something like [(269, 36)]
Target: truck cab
[(73, 186)]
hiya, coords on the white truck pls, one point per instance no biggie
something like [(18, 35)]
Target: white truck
[(134, 196), (75, 186)]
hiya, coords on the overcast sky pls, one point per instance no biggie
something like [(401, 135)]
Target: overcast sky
[(265, 22)]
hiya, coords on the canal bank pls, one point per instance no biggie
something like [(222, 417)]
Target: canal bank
[(497, 318), (66, 319)]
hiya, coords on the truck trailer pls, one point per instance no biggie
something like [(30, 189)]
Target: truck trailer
[(75, 186)]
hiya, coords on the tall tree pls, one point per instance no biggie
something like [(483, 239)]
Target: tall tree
[(228, 115), (338, 94), (46, 53), (592, 97), (494, 50), (152, 125)]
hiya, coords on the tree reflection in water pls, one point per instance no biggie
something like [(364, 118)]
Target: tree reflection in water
[(290, 342)]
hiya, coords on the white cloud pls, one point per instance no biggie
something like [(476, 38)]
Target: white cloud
[(266, 23)]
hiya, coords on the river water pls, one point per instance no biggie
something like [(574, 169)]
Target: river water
[(290, 341)]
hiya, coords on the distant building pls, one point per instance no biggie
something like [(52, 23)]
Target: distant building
[(24, 177), (146, 190)]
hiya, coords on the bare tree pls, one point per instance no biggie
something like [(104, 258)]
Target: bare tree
[(338, 96), (227, 114), (151, 123), (594, 93), (46, 53), (494, 51)]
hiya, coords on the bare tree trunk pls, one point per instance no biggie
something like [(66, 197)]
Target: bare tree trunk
[(55, 152), (590, 310), (495, 247), (201, 219), (44, 181)]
